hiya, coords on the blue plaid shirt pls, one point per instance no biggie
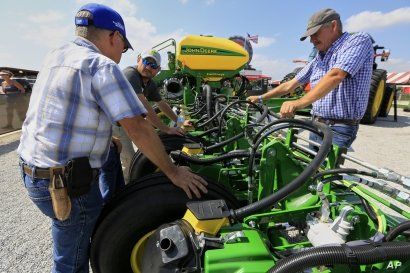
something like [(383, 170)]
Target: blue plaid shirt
[(78, 95), (354, 55)]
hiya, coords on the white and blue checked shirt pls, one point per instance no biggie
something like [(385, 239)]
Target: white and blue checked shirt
[(354, 55), (78, 95)]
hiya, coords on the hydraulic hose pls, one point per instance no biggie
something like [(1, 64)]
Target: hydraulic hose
[(211, 119), (198, 112), (207, 132), (401, 229), (225, 142), (343, 255), (233, 104), (312, 168), (369, 210), (179, 155), (208, 95), (242, 87), (344, 170), (238, 136)]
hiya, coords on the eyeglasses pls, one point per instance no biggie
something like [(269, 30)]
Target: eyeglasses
[(122, 38), (151, 64)]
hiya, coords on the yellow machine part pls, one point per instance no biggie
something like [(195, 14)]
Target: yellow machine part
[(207, 226), (211, 53), (192, 149)]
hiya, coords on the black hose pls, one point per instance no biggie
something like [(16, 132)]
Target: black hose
[(179, 155), (343, 255), (242, 87), (369, 210), (208, 95), (343, 170), (198, 112), (312, 168), (207, 132), (233, 104), (223, 143), (401, 229), (211, 119)]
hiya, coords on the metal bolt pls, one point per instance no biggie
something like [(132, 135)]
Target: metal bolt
[(252, 224), (406, 181), (355, 220), (272, 152), (312, 188)]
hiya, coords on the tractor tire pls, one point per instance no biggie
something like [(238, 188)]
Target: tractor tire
[(387, 101), (138, 210), (299, 91), (377, 90), (141, 166)]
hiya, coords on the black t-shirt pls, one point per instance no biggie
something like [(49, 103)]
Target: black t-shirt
[(150, 90)]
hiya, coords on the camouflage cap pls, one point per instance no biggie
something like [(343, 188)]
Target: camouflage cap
[(317, 20)]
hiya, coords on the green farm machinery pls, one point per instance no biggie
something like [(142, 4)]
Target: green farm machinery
[(277, 201)]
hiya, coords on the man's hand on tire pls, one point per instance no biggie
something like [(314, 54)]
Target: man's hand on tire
[(189, 182)]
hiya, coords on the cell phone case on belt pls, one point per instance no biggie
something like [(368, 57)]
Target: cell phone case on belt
[(59, 195)]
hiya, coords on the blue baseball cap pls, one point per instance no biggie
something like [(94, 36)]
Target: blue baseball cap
[(103, 17)]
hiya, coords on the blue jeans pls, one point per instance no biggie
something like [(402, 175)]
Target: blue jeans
[(71, 237), (111, 177), (343, 135)]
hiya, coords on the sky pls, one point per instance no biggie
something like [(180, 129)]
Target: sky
[(30, 28)]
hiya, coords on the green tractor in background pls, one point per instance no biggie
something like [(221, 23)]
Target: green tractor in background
[(381, 94)]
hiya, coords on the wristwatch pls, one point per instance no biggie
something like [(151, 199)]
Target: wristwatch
[(260, 99)]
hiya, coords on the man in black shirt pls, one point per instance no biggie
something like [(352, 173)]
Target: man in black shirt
[(140, 78)]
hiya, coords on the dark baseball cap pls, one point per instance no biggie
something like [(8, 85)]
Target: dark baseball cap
[(318, 19), (103, 17)]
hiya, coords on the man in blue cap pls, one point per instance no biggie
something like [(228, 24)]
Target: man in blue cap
[(339, 76), (79, 93)]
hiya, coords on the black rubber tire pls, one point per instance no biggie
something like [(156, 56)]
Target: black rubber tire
[(387, 101), (141, 208), (377, 89), (141, 166), (299, 91)]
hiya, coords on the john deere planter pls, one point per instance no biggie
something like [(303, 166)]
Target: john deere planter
[(276, 201)]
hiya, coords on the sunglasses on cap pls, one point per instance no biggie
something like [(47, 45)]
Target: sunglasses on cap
[(150, 64), (122, 38)]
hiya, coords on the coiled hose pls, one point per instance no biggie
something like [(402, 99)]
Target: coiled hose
[(314, 165), (342, 255)]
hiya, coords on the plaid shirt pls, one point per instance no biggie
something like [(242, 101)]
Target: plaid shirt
[(78, 95), (354, 55)]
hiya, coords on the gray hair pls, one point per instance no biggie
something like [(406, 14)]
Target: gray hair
[(89, 32), (338, 22)]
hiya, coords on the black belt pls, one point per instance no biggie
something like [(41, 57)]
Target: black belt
[(331, 121)]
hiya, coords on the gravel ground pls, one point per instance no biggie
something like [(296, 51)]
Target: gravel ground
[(385, 143), (25, 244)]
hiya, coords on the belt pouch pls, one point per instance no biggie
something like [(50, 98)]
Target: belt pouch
[(59, 196), (79, 175)]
